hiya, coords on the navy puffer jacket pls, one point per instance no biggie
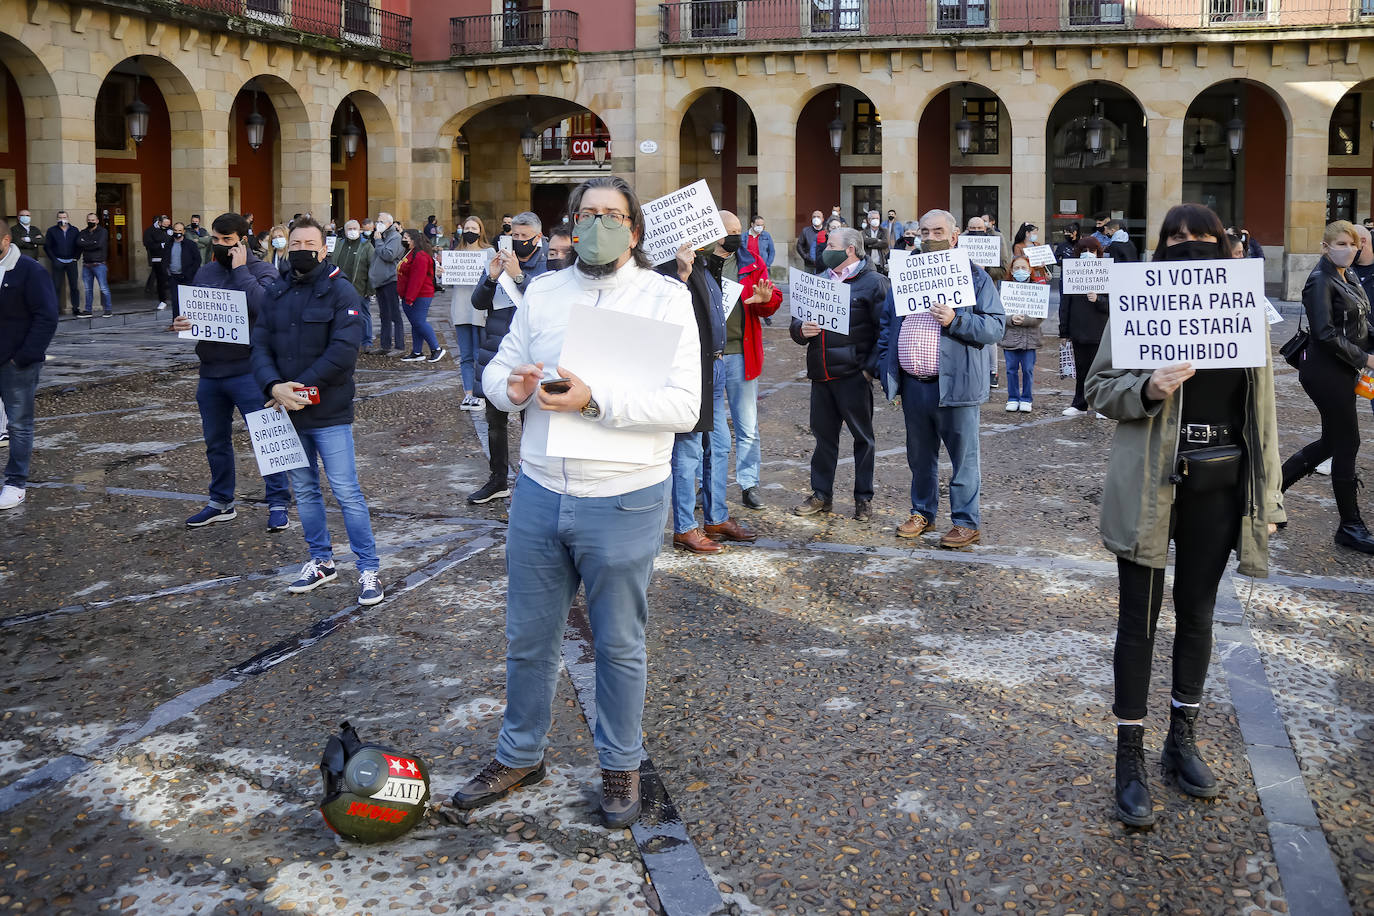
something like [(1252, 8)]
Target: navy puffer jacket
[(489, 298)]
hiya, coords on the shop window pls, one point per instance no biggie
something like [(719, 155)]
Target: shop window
[(868, 129), (984, 115), (1340, 204), (1344, 136)]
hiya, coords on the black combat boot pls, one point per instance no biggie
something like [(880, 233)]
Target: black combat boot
[(1133, 803), (1296, 468), (1181, 758), (1352, 533)]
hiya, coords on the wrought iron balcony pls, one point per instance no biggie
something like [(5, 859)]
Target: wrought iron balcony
[(538, 30)]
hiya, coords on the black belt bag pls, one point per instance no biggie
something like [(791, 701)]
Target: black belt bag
[(1204, 466)]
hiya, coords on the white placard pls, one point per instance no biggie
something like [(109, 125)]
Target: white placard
[(818, 298), (610, 349), (1068, 206), (507, 286), (1029, 299), (688, 215), (329, 242), (1039, 255), (1274, 315), (931, 278), (983, 250), (219, 315), (1208, 313), (465, 268), (730, 292), (1084, 275), (275, 443)]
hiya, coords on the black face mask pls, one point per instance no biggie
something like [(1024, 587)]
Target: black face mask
[(505, 228), (556, 263), (469, 238), (730, 243), (178, 235), (524, 249), (92, 223), (223, 254), (1192, 251), (303, 261)]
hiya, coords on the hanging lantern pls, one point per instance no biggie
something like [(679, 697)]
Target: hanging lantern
[(963, 129), (350, 135), (599, 147), (529, 142), (1235, 128), (136, 116), (1095, 128), (255, 125), (717, 138)]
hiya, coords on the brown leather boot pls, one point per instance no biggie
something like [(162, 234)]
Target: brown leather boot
[(696, 542), (495, 782), (620, 802), (815, 504), (730, 530), (959, 536), (913, 527)]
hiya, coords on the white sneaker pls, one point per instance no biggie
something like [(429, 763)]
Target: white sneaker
[(1025, 406), (478, 404), (161, 306), (11, 496), (1323, 468), (1072, 412), (1013, 406)]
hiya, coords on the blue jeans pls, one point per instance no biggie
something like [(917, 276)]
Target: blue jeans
[(555, 542), (469, 342), (366, 309), (389, 315), (334, 446), (927, 425), (417, 313), (744, 413), (217, 398), (17, 390), (1020, 373), (94, 274)]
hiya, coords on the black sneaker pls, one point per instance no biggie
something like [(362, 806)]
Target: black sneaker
[(209, 515), (492, 489), (434, 357), (313, 574), (752, 498), (412, 358)]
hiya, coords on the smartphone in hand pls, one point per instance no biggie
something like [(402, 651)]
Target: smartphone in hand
[(503, 243), (556, 385)]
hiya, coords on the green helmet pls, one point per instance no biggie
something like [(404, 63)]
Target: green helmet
[(371, 793)]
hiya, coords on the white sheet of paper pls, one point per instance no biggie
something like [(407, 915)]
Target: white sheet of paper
[(687, 215), (1275, 317), (604, 347), (818, 298), (329, 242), (731, 291), (465, 268), (1039, 255), (508, 287), (219, 315), (1208, 313), (276, 444), (923, 279), (1029, 299), (983, 250), (1084, 275)]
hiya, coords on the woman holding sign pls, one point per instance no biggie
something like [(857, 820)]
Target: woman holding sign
[(1082, 319), (468, 321), (1328, 367), (1019, 343), (1194, 461)]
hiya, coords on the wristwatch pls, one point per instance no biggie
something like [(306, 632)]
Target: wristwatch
[(592, 411)]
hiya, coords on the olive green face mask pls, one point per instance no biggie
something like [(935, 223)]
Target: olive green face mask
[(597, 243)]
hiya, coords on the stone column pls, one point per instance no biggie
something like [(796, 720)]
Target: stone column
[(61, 141), (500, 179), (776, 117), (1306, 182), (1164, 188), (1029, 169)]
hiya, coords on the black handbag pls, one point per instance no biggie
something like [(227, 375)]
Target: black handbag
[(1292, 351), (1202, 470)]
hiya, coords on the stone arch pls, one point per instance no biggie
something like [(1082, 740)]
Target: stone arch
[(733, 176), (377, 178), (944, 174), (45, 108), (849, 178), (299, 175)]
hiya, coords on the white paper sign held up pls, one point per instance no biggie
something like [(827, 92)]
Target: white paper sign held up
[(1039, 255), (983, 250), (464, 268), (731, 291), (688, 215), (931, 278), (275, 442), (1208, 313), (1029, 299), (220, 315), (820, 299), (1084, 275)]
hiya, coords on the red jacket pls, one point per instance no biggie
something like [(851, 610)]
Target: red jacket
[(415, 277), (754, 313)]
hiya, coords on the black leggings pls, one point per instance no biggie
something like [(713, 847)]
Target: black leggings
[(1204, 528), (1083, 356), (1330, 384)]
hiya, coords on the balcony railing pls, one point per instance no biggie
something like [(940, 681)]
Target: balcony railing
[(548, 30), (352, 22), (765, 20)]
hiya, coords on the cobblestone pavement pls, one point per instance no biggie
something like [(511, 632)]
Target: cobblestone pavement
[(847, 723)]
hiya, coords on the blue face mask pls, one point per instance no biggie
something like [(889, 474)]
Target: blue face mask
[(1020, 275)]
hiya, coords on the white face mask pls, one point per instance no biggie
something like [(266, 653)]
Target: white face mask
[(816, 221), (874, 223), (62, 220), (1032, 237), (279, 243), (352, 234), (756, 230), (1087, 255), (24, 220)]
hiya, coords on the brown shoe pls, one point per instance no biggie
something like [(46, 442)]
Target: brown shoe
[(620, 802), (959, 536), (814, 504), (696, 542), (913, 527), (496, 782), (730, 530)]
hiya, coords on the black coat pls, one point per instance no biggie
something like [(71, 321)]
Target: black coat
[(1122, 252), (831, 356), (498, 320), (190, 257), (253, 279), (158, 242), (310, 332), (1082, 321), (697, 282), (94, 244), (28, 313), (1337, 313)]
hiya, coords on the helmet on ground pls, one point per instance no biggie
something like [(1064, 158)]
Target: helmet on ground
[(371, 793)]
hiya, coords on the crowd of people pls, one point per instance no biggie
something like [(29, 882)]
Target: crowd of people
[(1194, 460)]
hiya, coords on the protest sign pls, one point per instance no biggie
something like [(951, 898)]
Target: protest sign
[(1084, 275), (921, 280), (220, 315), (731, 292), (329, 242), (820, 299), (465, 268), (1029, 299), (275, 443), (1208, 313), (983, 250), (1039, 255), (1274, 316), (688, 215)]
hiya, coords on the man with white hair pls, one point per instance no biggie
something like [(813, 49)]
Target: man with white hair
[(934, 362), (387, 251)]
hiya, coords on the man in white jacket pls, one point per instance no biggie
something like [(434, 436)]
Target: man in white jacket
[(596, 522)]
